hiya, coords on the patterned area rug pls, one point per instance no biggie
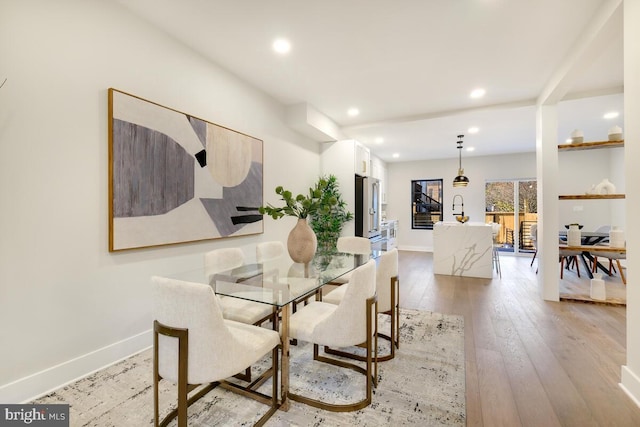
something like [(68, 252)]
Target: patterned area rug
[(423, 385)]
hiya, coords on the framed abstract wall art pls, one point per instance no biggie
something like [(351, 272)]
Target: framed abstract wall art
[(175, 178)]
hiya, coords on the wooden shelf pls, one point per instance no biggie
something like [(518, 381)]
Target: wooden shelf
[(590, 145), (590, 196)]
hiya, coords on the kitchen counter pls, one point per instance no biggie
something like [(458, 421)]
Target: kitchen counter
[(463, 249), (389, 231)]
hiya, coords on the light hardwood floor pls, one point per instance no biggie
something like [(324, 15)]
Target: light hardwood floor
[(529, 362)]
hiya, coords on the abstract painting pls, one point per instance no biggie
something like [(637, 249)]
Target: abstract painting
[(175, 178)]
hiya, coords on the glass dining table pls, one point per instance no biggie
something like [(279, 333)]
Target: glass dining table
[(279, 283)]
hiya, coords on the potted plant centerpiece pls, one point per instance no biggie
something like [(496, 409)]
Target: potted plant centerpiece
[(302, 241), (328, 223)]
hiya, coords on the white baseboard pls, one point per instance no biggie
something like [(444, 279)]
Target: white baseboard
[(33, 386), (630, 383)]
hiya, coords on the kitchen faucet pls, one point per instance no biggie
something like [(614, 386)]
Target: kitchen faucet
[(461, 217), (461, 204)]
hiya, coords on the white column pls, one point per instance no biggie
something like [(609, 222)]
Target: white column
[(547, 172), (630, 380)]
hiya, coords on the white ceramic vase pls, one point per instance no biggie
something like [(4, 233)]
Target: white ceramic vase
[(605, 187), (574, 237), (598, 291), (577, 136), (615, 133), (616, 237)]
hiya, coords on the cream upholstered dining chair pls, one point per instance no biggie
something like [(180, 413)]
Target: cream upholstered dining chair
[(194, 345), (388, 293), (354, 245), (253, 313), (273, 250), (239, 310), (268, 251), (352, 322), (351, 245), (612, 256)]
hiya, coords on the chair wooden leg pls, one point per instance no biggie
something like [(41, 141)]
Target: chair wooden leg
[(624, 279), (561, 267)]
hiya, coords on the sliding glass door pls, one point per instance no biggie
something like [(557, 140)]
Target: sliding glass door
[(514, 205)]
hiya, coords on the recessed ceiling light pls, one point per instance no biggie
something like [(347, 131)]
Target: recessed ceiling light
[(396, 155), (473, 129), (471, 148), (611, 115), (353, 112), (281, 46), (477, 93), (379, 140)]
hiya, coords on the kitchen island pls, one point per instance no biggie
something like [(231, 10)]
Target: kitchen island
[(463, 249)]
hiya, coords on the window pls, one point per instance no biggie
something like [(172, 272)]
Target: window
[(514, 205), (426, 203)]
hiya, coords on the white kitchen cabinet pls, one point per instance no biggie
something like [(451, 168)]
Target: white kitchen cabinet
[(339, 159), (362, 164), (379, 171)]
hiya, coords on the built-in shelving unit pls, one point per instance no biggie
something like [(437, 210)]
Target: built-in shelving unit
[(590, 196), (590, 146)]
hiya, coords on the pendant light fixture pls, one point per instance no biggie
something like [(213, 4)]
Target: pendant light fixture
[(460, 180)]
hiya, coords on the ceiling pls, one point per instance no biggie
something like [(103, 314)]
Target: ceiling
[(410, 65)]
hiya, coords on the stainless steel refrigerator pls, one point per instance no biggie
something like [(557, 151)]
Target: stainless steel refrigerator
[(367, 212)]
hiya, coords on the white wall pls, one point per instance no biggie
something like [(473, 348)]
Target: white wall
[(630, 375), (67, 305), (477, 169)]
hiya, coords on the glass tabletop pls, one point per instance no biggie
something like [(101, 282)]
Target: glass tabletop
[(277, 282), (587, 237)]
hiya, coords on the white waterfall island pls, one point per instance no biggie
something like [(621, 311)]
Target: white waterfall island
[(463, 249)]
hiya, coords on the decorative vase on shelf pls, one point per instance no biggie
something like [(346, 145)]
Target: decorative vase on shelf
[(577, 136), (598, 292), (592, 190), (302, 242), (615, 133), (605, 187), (574, 237), (616, 237)]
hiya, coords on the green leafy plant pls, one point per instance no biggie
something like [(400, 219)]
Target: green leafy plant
[(323, 204), (300, 206), (328, 222)]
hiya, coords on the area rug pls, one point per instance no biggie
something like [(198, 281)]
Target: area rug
[(423, 385)]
